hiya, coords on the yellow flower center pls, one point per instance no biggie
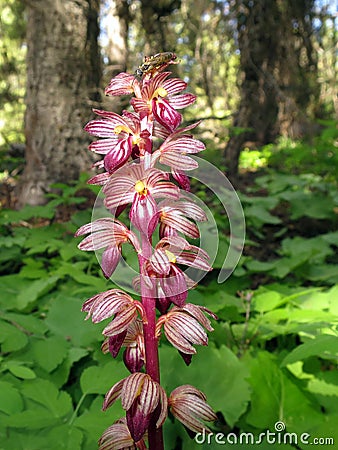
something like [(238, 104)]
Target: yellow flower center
[(140, 188), (171, 256), (119, 128)]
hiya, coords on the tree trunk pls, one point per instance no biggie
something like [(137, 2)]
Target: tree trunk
[(155, 22), (278, 73), (63, 73)]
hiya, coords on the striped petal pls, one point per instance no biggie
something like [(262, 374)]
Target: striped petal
[(166, 114), (121, 322), (122, 84), (113, 394), (132, 388), (174, 85), (182, 100), (118, 155), (104, 146), (176, 160), (189, 406)]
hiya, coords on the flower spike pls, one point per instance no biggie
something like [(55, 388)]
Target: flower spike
[(134, 147)]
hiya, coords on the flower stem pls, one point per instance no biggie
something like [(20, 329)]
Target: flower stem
[(155, 435)]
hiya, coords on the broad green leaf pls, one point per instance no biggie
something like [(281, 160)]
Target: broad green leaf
[(98, 379), (34, 419), (94, 421), (19, 370), (11, 254), (50, 352), (11, 337), (275, 397), (26, 213), (11, 287), (266, 301), (324, 346), (24, 439), (10, 399), (215, 371), (46, 394), (66, 319), (28, 323), (309, 205), (322, 387), (33, 269), (260, 266), (10, 241), (76, 271), (72, 438), (322, 272), (34, 290)]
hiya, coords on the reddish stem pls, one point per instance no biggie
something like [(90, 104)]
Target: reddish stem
[(155, 435)]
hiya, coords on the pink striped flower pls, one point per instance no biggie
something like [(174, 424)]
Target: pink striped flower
[(110, 234), (160, 97), (173, 152), (174, 217), (162, 268), (173, 250), (184, 327), (122, 138), (132, 338), (189, 406), (123, 84), (140, 396), (114, 303), (139, 186), (118, 436)]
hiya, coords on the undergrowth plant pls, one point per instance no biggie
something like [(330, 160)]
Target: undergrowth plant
[(133, 145)]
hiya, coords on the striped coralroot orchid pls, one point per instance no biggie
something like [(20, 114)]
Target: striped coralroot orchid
[(133, 145), (189, 406)]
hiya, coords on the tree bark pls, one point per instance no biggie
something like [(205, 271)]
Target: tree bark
[(63, 74)]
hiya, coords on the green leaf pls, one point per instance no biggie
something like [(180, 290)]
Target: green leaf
[(35, 419), (72, 438), (10, 399), (29, 323), (34, 290), (266, 301), (20, 371), (49, 353), (309, 205), (66, 319), (275, 397), (11, 337), (215, 371), (45, 393), (322, 387), (11, 287), (260, 266), (324, 346), (98, 379), (94, 421)]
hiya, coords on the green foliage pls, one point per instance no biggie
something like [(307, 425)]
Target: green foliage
[(12, 71), (319, 156)]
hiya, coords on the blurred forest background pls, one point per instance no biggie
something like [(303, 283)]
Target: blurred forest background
[(265, 75)]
